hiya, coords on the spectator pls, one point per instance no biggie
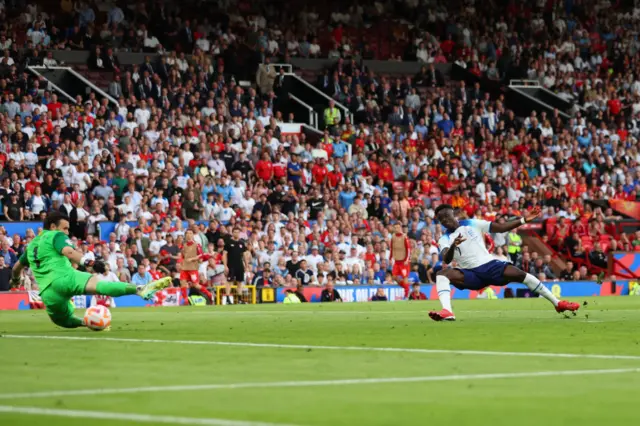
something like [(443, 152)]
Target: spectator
[(8, 254), (514, 244), (85, 13), (539, 267), (13, 209), (330, 294), (567, 273), (304, 274), (300, 293), (5, 276), (332, 116), (416, 294), (380, 296), (597, 256), (121, 271), (142, 276)]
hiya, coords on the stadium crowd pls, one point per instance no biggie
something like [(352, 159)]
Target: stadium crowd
[(188, 143)]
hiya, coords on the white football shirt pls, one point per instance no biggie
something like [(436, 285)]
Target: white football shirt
[(472, 252)]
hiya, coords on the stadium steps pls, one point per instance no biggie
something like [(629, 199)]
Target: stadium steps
[(99, 78), (531, 95)]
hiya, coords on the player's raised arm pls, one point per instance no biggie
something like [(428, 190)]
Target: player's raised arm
[(515, 223)]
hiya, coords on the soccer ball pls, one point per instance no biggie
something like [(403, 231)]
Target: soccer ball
[(97, 318)]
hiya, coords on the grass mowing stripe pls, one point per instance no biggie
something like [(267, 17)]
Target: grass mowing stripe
[(313, 383), (336, 348), (130, 417)]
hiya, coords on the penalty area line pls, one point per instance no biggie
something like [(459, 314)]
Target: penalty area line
[(128, 417), (315, 383), (322, 347)]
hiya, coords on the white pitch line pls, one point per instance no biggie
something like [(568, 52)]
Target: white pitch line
[(314, 383), (321, 347), (224, 311), (130, 417)]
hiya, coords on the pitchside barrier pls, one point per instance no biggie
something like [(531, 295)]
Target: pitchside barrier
[(173, 297)]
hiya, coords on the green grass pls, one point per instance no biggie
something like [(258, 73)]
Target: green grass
[(604, 326)]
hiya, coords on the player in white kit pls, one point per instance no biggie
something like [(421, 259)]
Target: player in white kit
[(477, 268)]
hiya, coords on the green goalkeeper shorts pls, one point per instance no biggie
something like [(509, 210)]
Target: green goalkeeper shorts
[(57, 297)]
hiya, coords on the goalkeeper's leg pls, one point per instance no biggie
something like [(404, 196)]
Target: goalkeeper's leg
[(58, 307), (116, 288), (93, 285), (65, 319)]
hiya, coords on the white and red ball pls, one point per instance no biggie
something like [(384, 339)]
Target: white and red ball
[(97, 317)]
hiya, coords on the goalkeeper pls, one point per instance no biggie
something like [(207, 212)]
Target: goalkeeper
[(50, 256)]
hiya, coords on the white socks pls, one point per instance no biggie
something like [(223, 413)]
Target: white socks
[(443, 285), (537, 287)]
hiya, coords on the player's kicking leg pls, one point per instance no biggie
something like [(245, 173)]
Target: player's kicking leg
[(515, 275), (511, 274)]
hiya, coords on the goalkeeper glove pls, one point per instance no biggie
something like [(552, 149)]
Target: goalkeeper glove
[(88, 260)]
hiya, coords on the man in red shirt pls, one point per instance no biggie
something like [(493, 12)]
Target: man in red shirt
[(334, 178), (615, 106), (264, 168), (400, 254), (319, 172), (32, 184), (385, 172), (54, 106)]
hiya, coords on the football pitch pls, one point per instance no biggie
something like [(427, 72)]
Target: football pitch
[(504, 362)]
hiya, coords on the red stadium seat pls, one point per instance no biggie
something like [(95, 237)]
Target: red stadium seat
[(605, 239)]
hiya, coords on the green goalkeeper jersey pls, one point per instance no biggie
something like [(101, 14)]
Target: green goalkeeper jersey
[(44, 256)]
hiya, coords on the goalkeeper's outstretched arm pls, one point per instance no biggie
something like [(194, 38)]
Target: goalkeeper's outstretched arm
[(87, 260)]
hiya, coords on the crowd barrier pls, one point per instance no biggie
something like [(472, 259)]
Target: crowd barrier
[(172, 296), (625, 264), (394, 292)]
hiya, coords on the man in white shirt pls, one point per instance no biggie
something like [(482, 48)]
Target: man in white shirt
[(353, 258), (314, 259), (226, 213), (142, 114), (270, 255), (49, 61), (203, 44), (151, 41), (136, 197), (422, 54)]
